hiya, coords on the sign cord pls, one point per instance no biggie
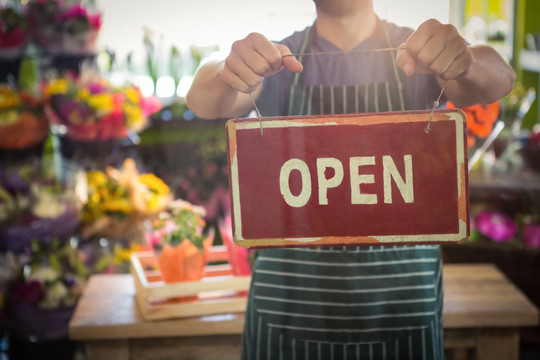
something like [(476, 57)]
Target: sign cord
[(435, 103)]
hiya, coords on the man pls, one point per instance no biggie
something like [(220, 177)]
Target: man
[(350, 302)]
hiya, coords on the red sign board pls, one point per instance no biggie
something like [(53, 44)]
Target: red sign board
[(353, 179)]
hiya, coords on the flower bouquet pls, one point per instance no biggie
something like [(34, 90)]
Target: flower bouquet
[(59, 28), (13, 40), (43, 295), (89, 108), (35, 206), (119, 201), (22, 119), (178, 240)]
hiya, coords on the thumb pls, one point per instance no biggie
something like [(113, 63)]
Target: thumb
[(289, 60), (405, 61)]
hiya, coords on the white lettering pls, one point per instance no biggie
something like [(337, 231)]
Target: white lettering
[(356, 180), (324, 183), (390, 172), (302, 198)]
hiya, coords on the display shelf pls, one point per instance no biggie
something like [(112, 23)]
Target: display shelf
[(497, 185)]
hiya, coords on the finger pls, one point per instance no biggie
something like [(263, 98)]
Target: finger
[(238, 66), (459, 67), (421, 36), (271, 55), (289, 62), (455, 61), (405, 61), (235, 82)]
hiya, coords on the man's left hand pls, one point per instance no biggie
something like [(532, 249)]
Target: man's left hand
[(435, 48)]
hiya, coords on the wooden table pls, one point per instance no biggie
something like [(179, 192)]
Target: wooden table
[(482, 315)]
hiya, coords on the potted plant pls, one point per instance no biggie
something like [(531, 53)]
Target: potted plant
[(180, 244)]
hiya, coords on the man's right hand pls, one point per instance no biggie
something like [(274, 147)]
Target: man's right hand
[(254, 58)]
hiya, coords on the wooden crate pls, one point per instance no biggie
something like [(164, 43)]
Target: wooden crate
[(219, 292)]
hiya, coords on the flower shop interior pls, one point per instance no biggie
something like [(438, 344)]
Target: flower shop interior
[(116, 227)]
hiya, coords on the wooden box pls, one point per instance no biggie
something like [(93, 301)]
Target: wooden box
[(219, 292)]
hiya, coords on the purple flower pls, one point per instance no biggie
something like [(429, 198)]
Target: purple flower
[(16, 184), (96, 88), (75, 113), (531, 235), (495, 225)]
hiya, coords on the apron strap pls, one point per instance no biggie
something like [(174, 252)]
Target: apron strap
[(295, 97), (399, 79)]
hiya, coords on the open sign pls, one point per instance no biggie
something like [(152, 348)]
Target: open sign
[(358, 179)]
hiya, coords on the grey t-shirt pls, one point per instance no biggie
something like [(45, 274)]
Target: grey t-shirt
[(348, 69)]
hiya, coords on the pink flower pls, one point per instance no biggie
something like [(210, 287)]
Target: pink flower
[(150, 105), (495, 225), (71, 13), (531, 235), (95, 21), (78, 11), (96, 88)]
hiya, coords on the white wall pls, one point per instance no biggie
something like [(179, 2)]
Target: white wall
[(219, 22)]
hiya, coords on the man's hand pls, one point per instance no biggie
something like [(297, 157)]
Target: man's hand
[(435, 48), (254, 58)]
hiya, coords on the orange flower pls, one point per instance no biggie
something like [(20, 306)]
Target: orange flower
[(480, 119)]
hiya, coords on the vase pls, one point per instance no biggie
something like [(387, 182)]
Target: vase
[(183, 262)]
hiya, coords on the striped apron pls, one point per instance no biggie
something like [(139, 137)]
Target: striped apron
[(376, 302)]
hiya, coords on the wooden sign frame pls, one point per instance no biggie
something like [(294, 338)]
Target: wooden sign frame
[(450, 127)]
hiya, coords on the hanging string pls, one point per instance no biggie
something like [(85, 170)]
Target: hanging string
[(435, 103), (435, 106), (258, 112), (344, 52)]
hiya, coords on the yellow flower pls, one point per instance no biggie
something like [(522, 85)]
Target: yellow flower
[(84, 94), (57, 86), (154, 183), (134, 116), (8, 99), (101, 102), (8, 117), (122, 255), (96, 178), (132, 95), (118, 205)]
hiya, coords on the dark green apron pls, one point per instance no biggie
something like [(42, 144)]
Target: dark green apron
[(377, 302)]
